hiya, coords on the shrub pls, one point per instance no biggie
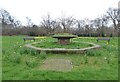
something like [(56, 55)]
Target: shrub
[(23, 50), (90, 53), (16, 47), (97, 53), (93, 53), (6, 53), (33, 52), (15, 57), (104, 46), (31, 62), (42, 55)]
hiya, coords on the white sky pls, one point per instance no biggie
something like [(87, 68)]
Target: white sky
[(36, 9)]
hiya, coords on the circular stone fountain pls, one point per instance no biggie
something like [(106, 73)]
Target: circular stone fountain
[(64, 39)]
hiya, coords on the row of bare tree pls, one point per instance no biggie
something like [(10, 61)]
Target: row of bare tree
[(106, 25)]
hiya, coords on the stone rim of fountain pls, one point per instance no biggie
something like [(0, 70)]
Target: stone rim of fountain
[(63, 50)]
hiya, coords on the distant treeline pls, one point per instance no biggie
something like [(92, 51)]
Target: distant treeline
[(106, 25)]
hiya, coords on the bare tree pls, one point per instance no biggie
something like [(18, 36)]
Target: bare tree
[(56, 26), (80, 26), (7, 21), (17, 23), (5, 17), (101, 24), (67, 23), (47, 23), (114, 15), (29, 22)]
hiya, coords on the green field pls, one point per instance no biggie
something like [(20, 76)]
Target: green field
[(19, 63), (0, 58)]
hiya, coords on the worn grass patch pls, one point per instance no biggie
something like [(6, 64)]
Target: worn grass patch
[(57, 65)]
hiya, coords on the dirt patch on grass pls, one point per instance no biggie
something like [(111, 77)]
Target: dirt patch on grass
[(57, 65)]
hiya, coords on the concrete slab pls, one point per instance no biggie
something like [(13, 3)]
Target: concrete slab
[(57, 65)]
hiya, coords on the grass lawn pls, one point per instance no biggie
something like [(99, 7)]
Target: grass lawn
[(0, 58), (18, 63), (54, 44)]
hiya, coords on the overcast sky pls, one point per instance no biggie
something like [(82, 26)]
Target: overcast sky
[(36, 9)]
